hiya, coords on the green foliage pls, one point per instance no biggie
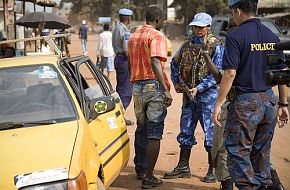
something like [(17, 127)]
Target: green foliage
[(185, 9)]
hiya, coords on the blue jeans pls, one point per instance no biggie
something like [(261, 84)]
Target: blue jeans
[(150, 112), (84, 45), (248, 133)]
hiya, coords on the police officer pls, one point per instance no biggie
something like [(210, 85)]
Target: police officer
[(252, 117), (192, 74), (120, 39)]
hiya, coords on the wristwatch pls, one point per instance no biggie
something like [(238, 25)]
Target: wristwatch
[(280, 104)]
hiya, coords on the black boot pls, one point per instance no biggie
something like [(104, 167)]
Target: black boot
[(277, 185), (210, 176), (227, 185), (182, 169)]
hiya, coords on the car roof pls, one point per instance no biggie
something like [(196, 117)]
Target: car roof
[(226, 17), (28, 60)]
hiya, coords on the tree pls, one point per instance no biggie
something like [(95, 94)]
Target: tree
[(185, 9)]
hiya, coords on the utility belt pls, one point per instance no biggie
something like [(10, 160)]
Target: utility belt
[(234, 93)]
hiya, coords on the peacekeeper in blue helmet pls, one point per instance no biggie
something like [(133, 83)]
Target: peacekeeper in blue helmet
[(120, 37), (190, 76), (252, 117)]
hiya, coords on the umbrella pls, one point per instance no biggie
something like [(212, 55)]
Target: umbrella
[(48, 20), (46, 3)]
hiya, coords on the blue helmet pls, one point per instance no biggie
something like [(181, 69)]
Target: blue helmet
[(126, 12)]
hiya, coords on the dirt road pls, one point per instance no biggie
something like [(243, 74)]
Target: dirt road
[(169, 153)]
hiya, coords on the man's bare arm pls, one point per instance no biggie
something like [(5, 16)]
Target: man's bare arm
[(157, 69), (212, 68), (225, 86)]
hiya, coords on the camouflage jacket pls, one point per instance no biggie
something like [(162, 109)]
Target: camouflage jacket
[(202, 79)]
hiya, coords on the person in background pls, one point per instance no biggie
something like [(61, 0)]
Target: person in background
[(251, 118), (120, 39), (190, 76), (151, 91), (83, 35), (28, 34), (105, 51)]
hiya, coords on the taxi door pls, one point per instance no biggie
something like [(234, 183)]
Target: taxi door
[(108, 129)]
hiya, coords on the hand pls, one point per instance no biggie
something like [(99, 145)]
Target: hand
[(178, 88), (216, 116), (282, 116), (193, 91), (167, 98), (98, 58)]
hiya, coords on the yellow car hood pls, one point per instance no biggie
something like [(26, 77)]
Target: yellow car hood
[(37, 148)]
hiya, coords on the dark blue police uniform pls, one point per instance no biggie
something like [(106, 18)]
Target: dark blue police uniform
[(251, 119)]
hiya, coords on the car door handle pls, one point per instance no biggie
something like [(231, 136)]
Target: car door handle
[(95, 143)]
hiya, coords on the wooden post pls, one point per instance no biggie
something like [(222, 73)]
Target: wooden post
[(35, 31), (24, 30), (5, 14)]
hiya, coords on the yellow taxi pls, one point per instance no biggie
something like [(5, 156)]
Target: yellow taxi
[(61, 125), (169, 47)]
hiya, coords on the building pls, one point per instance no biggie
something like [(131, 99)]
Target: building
[(6, 15), (273, 6)]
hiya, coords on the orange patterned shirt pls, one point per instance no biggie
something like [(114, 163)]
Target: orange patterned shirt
[(143, 44)]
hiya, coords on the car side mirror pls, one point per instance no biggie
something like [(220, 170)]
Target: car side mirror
[(284, 32), (223, 33), (101, 105)]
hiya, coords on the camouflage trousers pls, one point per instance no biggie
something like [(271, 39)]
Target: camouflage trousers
[(193, 111), (219, 152), (248, 132)]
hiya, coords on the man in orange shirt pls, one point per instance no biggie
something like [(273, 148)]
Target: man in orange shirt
[(147, 51)]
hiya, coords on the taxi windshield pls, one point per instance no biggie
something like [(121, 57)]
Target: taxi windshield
[(34, 94)]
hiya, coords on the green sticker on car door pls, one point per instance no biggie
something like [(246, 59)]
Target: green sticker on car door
[(100, 106)]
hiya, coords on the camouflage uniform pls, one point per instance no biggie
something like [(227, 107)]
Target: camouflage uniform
[(201, 108), (219, 153)]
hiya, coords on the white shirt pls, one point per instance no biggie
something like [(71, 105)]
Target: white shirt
[(105, 47)]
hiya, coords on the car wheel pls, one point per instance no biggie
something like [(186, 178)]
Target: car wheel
[(101, 185)]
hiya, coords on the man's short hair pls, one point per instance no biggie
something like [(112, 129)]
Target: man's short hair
[(247, 6), (106, 27), (152, 13)]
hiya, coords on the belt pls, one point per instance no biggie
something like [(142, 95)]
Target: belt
[(239, 92), (120, 54), (149, 81)]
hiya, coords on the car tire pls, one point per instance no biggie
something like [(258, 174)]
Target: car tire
[(100, 184)]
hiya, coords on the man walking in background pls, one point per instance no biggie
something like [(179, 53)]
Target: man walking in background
[(105, 51), (83, 35), (120, 37), (148, 54)]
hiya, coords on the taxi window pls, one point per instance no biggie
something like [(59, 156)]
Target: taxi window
[(92, 87), (34, 93)]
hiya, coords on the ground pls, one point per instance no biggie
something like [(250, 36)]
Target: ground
[(169, 153)]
